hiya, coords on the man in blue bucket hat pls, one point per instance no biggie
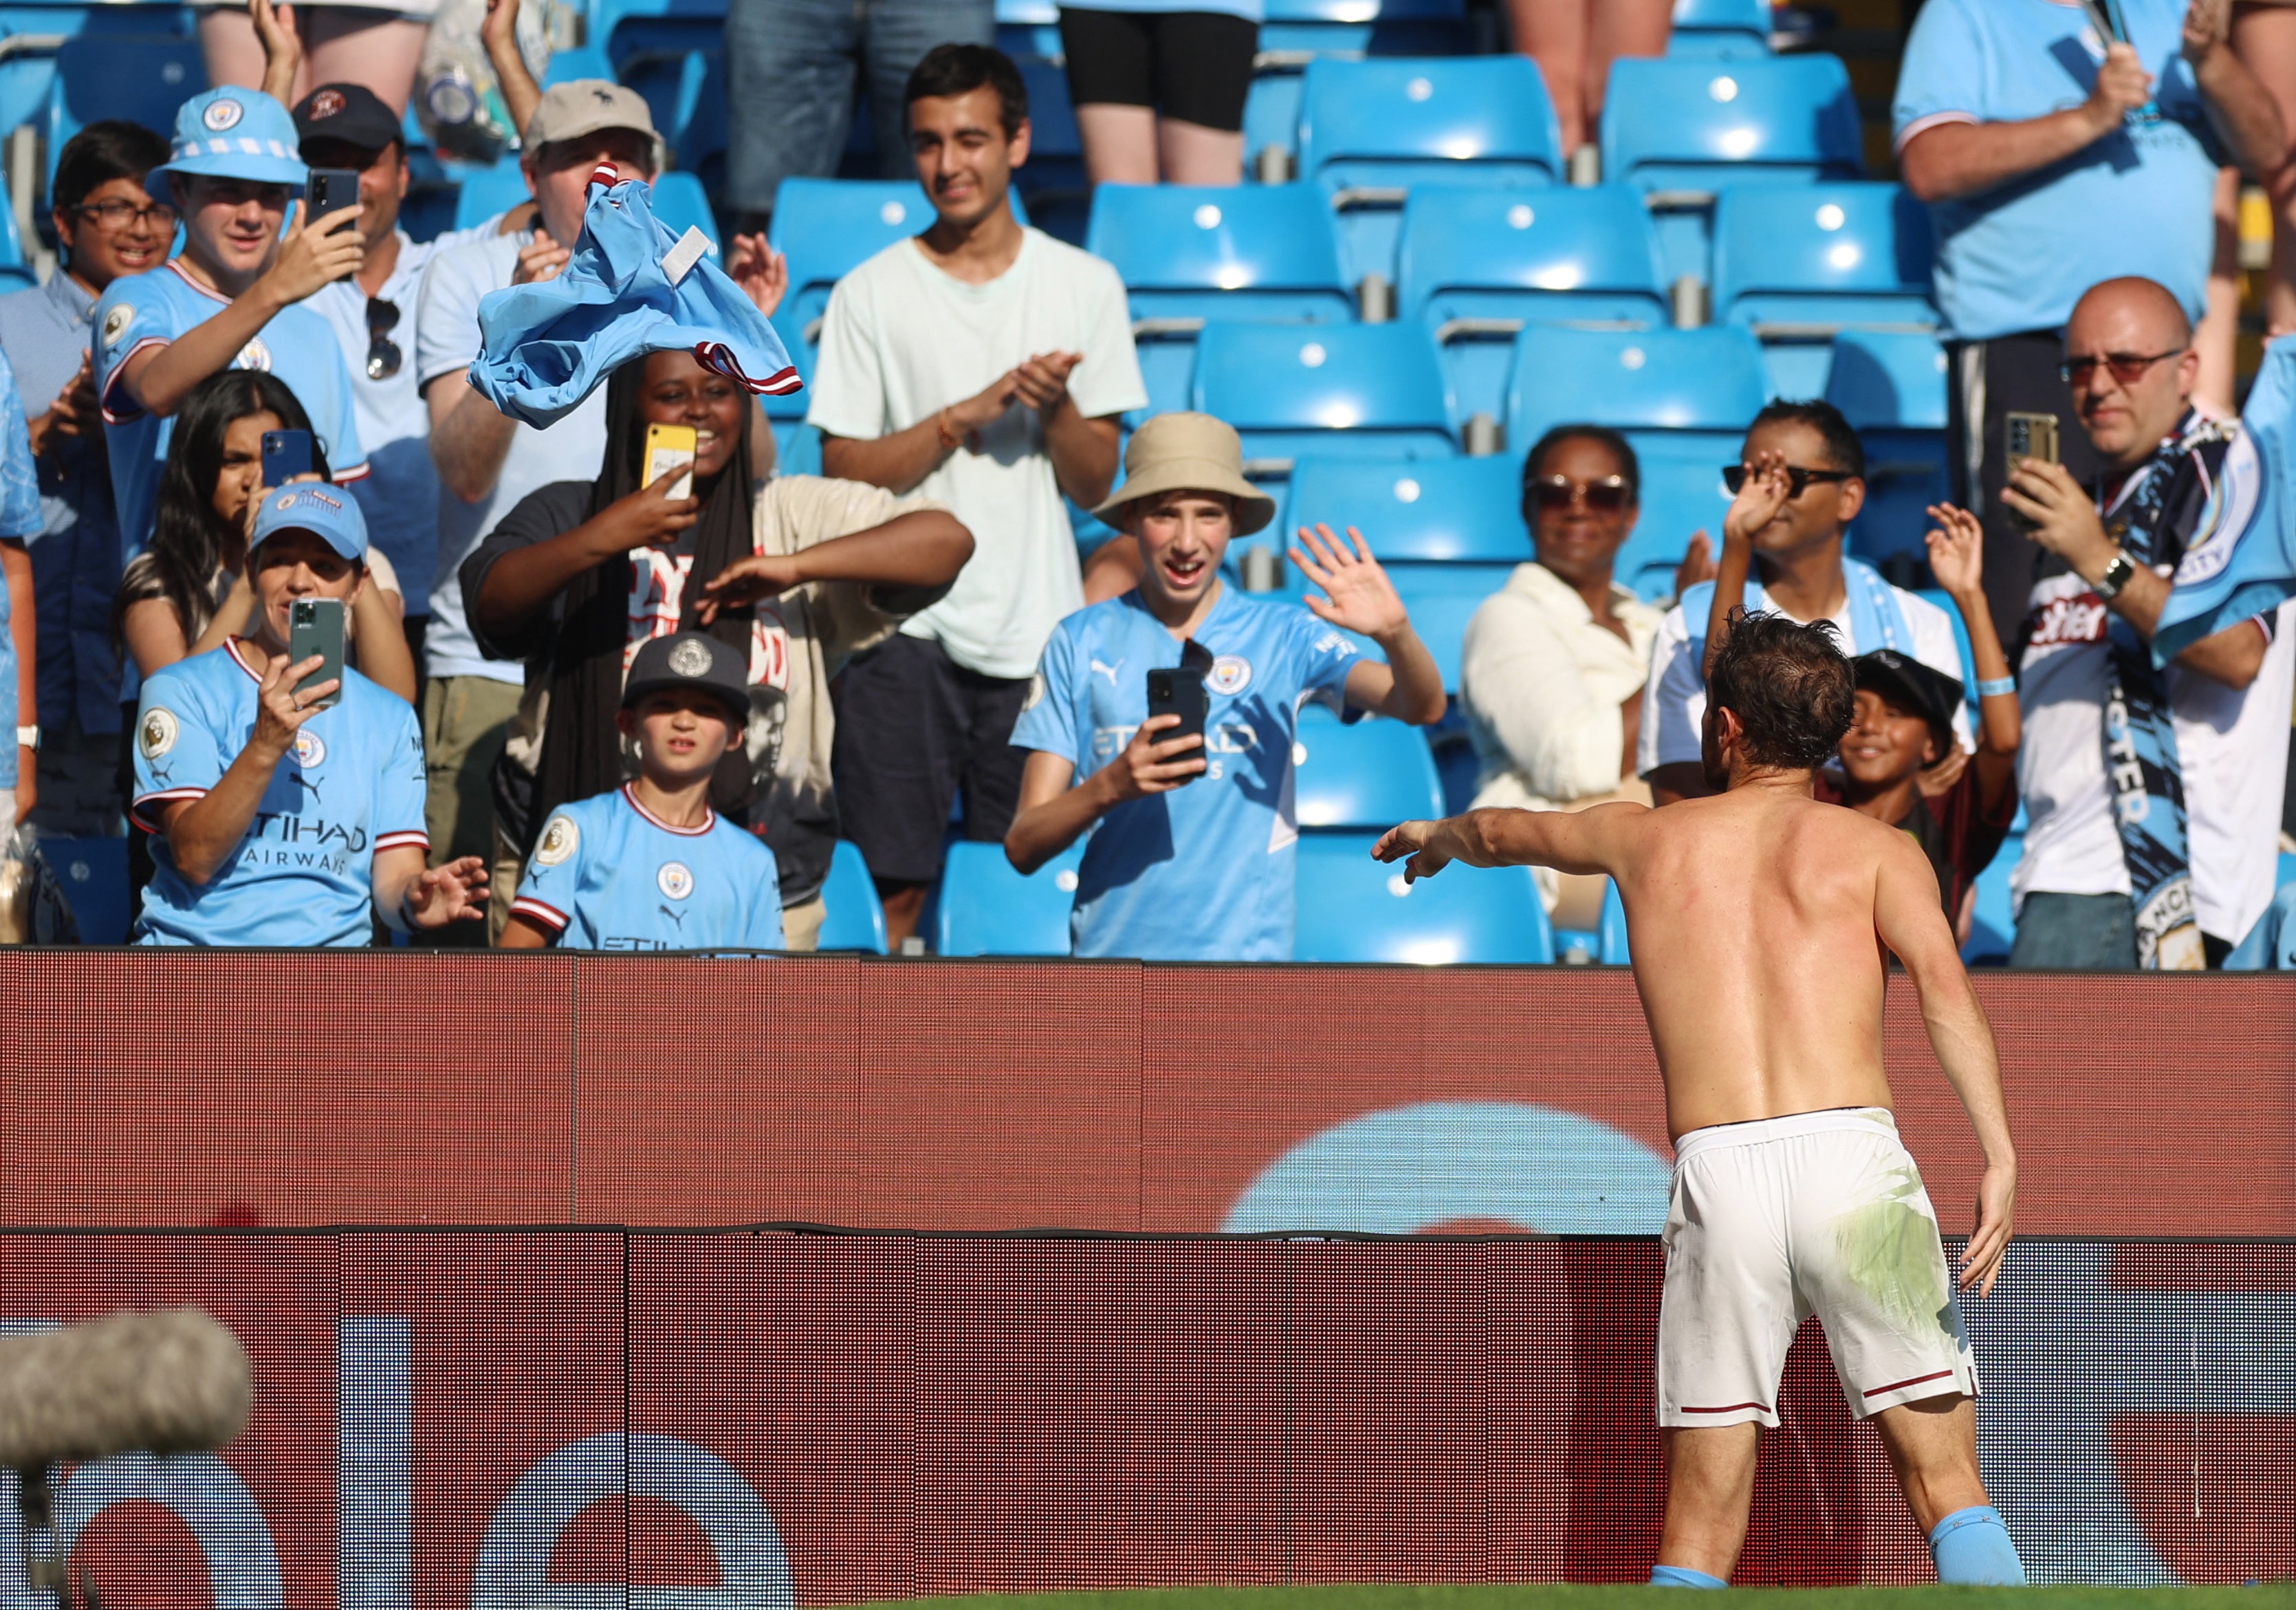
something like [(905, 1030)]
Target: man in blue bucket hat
[(229, 300)]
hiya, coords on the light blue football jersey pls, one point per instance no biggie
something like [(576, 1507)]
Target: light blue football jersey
[(1202, 873), (608, 874), (154, 309), (351, 788)]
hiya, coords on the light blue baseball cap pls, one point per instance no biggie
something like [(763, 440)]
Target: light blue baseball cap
[(234, 134), (327, 512)]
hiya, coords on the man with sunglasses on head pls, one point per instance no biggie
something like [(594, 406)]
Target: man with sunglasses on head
[(2152, 796), (1799, 571), (108, 227)]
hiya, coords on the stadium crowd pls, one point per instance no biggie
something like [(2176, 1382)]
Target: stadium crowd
[(588, 696)]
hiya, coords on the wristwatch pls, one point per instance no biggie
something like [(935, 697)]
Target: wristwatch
[(27, 737), (2116, 576)]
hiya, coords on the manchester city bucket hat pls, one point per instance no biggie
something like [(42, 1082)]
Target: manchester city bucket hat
[(233, 134), (328, 513)]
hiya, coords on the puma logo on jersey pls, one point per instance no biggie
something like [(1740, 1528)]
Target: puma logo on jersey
[(1100, 667)]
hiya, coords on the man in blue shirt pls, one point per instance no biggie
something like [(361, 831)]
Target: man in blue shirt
[(1191, 855), (650, 866), (278, 819), (231, 300), (2054, 159), (107, 228)]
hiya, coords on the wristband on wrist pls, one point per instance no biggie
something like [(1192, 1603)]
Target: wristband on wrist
[(1996, 686), (2107, 586)]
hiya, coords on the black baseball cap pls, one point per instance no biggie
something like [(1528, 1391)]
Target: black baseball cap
[(692, 660), (351, 113), (1923, 689)]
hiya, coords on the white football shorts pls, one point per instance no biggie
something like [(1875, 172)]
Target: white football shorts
[(1777, 1220)]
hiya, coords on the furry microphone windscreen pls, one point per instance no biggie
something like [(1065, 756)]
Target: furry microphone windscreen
[(172, 1381)]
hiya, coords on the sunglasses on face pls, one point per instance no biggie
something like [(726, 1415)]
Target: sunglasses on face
[(2127, 367), (1797, 480), (382, 354), (1556, 493)]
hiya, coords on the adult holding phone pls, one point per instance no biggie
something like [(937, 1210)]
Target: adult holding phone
[(277, 817)]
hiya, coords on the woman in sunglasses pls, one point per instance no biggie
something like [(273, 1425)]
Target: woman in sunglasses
[(1552, 669)]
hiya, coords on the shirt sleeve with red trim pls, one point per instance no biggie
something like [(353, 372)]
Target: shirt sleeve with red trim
[(1941, 78), (179, 748), (553, 873), (398, 820), (134, 313)]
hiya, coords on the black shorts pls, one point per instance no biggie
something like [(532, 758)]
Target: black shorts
[(1193, 67), (916, 731)]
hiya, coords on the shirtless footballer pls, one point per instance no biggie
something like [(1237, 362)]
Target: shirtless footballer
[(1762, 922)]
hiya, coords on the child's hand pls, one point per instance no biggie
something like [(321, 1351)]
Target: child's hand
[(1957, 551)]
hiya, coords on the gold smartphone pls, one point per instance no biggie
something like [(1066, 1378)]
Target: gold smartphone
[(670, 450), (2031, 436)]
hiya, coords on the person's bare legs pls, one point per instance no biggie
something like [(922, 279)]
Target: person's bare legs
[(1710, 1489), (2264, 38), (1933, 1445), (905, 905), (379, 49), (1119, 143), (1193, 154), (1619, 28), (2217, 337), (1552, 33)]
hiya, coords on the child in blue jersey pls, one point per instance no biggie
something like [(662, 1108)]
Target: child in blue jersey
[(276, 820), (231, 300), (650, 866), (1191, 855)]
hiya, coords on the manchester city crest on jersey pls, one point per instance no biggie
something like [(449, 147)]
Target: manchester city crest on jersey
[(115, 322), (1229, 674), (223, 113), (255, 354), (310, 749), (674, 880), (558, 839), (155, 735), (690, 658)]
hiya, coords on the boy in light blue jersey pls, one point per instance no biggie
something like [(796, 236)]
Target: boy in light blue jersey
[(277, 819), (650, 866), (231, 300), (1191, 855)]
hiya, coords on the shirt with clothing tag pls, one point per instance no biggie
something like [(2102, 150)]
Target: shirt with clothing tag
[(447, 341), (608, 874), (2138, 202), (154, 309), (351, 788), (1202, 873), (902, 339)]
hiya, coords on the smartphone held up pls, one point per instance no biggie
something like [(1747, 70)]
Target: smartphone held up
[(317, 626)]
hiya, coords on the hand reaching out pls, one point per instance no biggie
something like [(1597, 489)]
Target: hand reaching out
[(1415, 840), (747, 580), (761, 272), (1359, 596), (1957, 551), (454, 892)]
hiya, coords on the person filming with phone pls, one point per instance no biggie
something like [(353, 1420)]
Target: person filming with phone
[(1162, 721), (283, 790)]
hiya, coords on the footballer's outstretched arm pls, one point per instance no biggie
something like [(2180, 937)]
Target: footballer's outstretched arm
[(1583, 841)]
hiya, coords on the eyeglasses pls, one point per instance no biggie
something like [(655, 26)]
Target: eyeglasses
[(382, 354), (1556, 493), (2127, 367), (1797, 480), (115, 215)]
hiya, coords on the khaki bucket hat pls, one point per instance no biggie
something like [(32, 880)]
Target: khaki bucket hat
[(1189, 453)]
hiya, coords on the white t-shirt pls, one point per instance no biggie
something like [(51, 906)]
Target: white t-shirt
[(902, 341), (1674, 699), (2231, 748), (447, 341)]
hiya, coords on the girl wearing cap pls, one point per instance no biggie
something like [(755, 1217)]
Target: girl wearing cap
[(1191, 852)]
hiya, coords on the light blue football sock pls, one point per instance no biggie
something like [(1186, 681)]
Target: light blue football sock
[(1683, 1576), (1971, 1546)]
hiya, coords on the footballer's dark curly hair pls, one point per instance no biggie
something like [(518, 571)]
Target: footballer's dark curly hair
[(1791, 688)]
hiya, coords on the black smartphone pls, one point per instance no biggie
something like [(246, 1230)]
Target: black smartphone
[(315, 626), (330, 190), (1179, 691), (286, 454)]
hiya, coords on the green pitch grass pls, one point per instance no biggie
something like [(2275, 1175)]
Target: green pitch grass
[(1535, 1596)]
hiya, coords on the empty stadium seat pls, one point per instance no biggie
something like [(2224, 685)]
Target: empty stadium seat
[(1287, 389), (94, 873), (828, 228), (986, 909), (142, 78), (1615, 952), (1461, 512), (1682, 494), (1476, 265), (1371, 131), (1891, 387), (1799, 263), (1352, 908), (1651, 385), (1371, 773), (853, 918), (1293, 33), (487, 191), (1721, 28)]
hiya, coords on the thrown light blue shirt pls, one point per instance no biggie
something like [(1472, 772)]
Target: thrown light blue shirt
[(608, 874)]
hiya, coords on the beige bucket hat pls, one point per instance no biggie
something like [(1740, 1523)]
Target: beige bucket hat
[(1189, 453)]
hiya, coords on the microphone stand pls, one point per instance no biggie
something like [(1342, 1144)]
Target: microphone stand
[(45, 1570)]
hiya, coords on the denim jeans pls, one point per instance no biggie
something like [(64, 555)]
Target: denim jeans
[(790, 67), (2076, 932)]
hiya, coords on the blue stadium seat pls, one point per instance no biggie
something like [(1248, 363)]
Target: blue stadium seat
[(1367, 774), (1721, 28), (94, 873), (986, 909), (1476, 265), (1615, 952), (1371, 131), (1442, 604), (828, 228), (1352, 908), (680, 202), (1295, 33), (1799, 263), (1682, 494), (487, 191), (1891, 387), (142, 78), (1460, 511), (854, 919), (14, 273), (1287, 389), (1652, 385)]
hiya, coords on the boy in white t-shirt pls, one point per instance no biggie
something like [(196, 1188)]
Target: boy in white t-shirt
[(983, 365)]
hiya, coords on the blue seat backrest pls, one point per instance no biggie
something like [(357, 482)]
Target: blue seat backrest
[(829, 227), (1558, 256), (12, 243), (986, 909), (1352, 908), (1720, 28), (142, 77), (680, 202), (1250, 250), (1647, 380), (1369, 773), (487, 191), (1286, 387), (94, 873), (1670, 122), (1889, 379), (1682, 494), (853, 918), (1394, 121), (1800, 250), (1458, 511)]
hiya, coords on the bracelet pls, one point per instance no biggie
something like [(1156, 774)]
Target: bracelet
[(948, 438), (2108, 585), (1995, 686)]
